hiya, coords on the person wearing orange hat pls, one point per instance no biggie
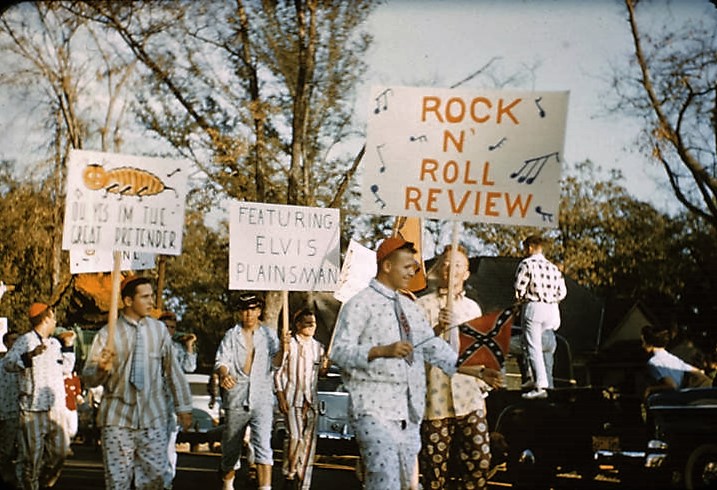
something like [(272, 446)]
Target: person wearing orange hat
[(36, 356), (133, 413), (381, 343)]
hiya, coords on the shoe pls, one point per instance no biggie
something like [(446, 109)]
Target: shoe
[(528, 385), (535, 394)]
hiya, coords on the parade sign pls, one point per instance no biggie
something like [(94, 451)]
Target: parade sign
[(357, 271), (90, 260), (274, 247), (465, 155), (124, 203)]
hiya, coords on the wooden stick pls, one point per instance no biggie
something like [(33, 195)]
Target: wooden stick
[(114, 300), (451, 267), (285, 316)]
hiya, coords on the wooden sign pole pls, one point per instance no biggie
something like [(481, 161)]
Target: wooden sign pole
[(114, 300)]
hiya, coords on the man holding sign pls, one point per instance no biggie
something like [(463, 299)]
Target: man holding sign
[(134, 365), (455, 427), (382, 341)]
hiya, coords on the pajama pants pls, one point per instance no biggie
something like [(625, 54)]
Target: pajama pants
[(388, 451), (139, 454), (300, 445), (460, 441), (236, 422), (43, 446)]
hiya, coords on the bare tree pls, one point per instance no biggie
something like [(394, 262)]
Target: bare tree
[(676, 96)]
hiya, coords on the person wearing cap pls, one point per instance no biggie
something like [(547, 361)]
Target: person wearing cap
[(454, 432), (296, 383), (133, 371), (41, 361), (245, 361), (183, 348), (382, 340), (9, 416), (539, 289)]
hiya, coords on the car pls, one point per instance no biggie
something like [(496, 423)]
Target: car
[(207, 417), (679, 449)]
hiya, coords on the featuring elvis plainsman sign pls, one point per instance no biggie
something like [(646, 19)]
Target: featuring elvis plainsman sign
[(466, 155), (124, 203), (274, 247)]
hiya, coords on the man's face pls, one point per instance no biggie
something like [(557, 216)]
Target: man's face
[(142, 302), (306, 326), (250, 316), (461, 270), (171, 326), (401, 268)]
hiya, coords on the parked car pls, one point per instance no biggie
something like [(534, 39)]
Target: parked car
[(680, 445), (206, 419)]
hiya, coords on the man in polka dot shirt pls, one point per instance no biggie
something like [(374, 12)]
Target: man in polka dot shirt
[(381, 343), (539, 288)]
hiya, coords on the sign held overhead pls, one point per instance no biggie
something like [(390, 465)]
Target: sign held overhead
[(466, 155)]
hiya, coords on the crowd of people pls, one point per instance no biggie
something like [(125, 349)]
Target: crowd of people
[(418, 415)]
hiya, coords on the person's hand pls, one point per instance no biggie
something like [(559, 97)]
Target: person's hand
[(399, 349), (445, 318), (189, 340), (106, 360), (283, 404), (185, 420), (226, 381), (493, 378), (38, 350), (67, 338)]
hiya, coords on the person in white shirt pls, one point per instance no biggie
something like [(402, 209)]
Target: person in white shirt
[(539, 288), (41, 362)]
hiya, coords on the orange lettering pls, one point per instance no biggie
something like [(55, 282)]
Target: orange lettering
[(506, 110), (476, 101), (518, 202), (462, 110), (486, 168), (429, 166), (458, 208), (431, 104), (431, 201), (490, 203), (413, 194)]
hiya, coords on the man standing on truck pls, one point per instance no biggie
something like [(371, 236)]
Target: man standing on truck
[(539, 288)]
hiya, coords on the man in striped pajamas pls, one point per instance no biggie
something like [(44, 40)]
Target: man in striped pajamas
[(133, 369), (41, 362)]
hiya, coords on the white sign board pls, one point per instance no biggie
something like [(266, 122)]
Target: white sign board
[(274, 247), (124, 202), (91, 260), (356, 272), (467, 155)]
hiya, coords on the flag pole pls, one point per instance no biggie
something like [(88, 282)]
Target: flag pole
[(114, 300)]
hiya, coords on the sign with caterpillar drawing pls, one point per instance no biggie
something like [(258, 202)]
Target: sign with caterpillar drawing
[(124, 203), (466, 155)]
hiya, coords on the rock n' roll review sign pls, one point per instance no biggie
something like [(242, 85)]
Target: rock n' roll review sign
[(124, 203), (275, 247), (468, 155)]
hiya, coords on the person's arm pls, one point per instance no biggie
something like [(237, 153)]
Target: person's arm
[(20, 356), (100, 361), (522, 279), (281, 380), (224, 358), (178, 384)]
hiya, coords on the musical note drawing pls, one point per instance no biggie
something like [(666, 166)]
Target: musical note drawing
[(541, 111), (544, 214), (380, 157), (383, 96), (498, 144), (174, 172), (532, 167), (419, 138), (374, 189)]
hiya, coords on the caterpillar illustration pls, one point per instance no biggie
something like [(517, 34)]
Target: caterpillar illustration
[(125, 181)]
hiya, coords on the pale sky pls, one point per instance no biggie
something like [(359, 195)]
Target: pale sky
[(558, 45)]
